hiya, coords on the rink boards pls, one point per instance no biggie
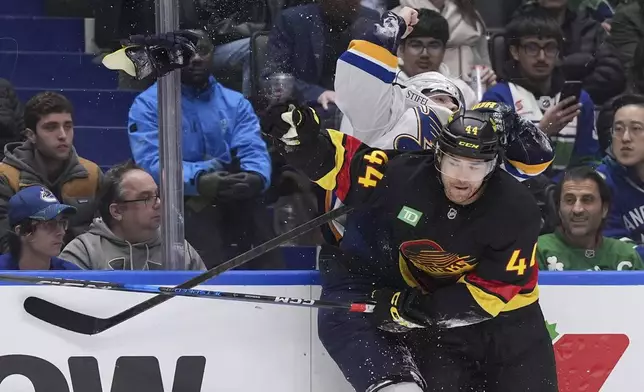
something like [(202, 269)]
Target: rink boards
[(192, 345)]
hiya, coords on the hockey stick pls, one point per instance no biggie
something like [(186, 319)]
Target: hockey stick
[(90, 325), (195, 293)]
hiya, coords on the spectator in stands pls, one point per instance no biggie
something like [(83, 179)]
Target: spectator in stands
[(423, 50), (306, 42), (127, 237), (583, 200), (623, 169), (627, 30), (467, 46), (585, 53), (600, 10), (533, 87), (230, 24), (37, 222), (635, 85), (48, 158), (12, 121), (226, 166)]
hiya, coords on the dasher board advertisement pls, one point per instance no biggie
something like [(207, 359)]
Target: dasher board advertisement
[(193, 345)]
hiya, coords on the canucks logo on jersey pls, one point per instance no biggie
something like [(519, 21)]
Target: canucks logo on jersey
[(424, 263)]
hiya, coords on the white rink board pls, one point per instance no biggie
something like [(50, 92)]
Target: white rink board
[(268, 348)]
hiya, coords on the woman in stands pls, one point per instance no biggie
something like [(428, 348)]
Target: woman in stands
[(38, 223)]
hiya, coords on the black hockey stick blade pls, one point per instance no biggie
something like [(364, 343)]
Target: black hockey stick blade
[(89, 325)]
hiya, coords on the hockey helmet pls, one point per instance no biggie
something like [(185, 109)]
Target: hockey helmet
[(471, 135), (434, 83), (504, 116)]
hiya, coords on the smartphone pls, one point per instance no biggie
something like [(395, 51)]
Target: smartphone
[(571, 88)]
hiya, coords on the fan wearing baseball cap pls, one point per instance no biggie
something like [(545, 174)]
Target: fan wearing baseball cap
[(38, 222)]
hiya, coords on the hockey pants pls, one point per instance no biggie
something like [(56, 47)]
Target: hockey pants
[(511, 353)]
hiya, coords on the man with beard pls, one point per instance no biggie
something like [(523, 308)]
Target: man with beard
[(226, 166), (452, 274), (383, 113), (534, 85), (583, 200)]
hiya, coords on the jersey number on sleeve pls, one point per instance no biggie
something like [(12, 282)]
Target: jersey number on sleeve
[(373, 175), (518, 263)]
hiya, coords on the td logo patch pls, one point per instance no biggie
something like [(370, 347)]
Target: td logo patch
[(409, 216)]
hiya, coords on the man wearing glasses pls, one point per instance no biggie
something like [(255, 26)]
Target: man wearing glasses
[(423, 50), (128, 236), (623, 169), (534, 85)]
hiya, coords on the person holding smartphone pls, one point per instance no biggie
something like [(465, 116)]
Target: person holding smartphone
[(536, 87)]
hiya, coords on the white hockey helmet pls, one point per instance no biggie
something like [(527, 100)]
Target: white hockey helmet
[(435, 83)]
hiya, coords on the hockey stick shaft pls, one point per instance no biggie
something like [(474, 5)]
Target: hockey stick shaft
[(194, 293), (89, 325)]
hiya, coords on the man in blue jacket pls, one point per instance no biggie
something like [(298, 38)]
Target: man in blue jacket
[(623, 169), (226, 166)]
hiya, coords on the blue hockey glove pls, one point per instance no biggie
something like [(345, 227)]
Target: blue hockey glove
[(394, 311)]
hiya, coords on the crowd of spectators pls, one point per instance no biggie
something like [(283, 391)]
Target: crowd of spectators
[(60, 211)]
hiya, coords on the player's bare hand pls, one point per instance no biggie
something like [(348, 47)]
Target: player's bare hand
[(410, 16), (558, 116), (326, 98)]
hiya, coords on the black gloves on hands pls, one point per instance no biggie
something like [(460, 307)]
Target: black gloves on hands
[(155, 55), (394, 311), (223, 186), (292, 125), (240, 186), (208, 183)]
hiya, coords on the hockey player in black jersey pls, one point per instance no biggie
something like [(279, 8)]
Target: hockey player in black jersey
[(451, 264)]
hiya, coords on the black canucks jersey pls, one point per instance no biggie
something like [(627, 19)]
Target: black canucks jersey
[(474, 261)]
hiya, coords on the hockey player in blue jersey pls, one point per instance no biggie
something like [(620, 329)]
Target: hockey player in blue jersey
[(623, 169), (533, 85)]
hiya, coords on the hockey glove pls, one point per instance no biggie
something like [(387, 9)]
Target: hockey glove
[(155, 55), (292, 125), (394, 311)]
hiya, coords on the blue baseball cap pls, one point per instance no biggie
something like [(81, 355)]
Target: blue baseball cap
[(37, 203)]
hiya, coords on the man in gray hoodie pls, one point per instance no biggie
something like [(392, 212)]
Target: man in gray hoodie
[(127, 237)]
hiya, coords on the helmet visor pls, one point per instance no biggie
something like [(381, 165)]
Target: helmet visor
[(464, 169)]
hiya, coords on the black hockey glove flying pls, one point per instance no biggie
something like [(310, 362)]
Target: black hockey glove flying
[(290, 124), (394, 311), (156, 55)]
